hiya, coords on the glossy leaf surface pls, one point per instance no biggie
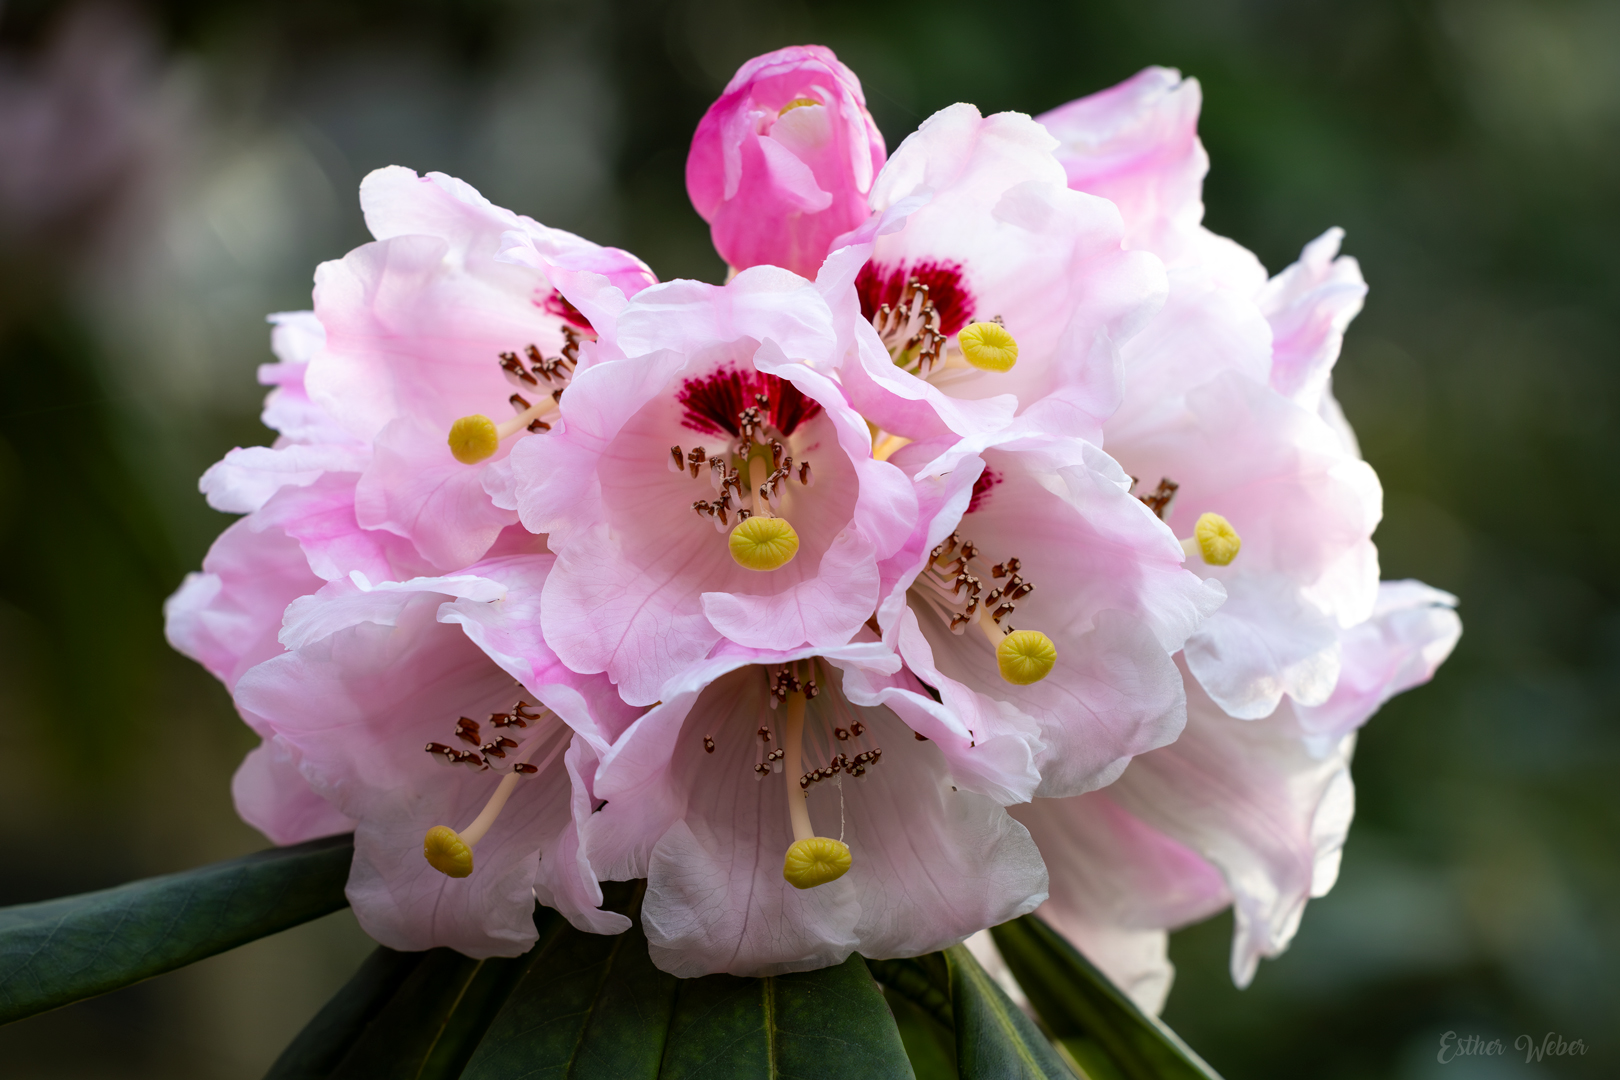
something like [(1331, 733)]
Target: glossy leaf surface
[(1094, 1020), (60, 951), (994, 1039), (591, 1007)]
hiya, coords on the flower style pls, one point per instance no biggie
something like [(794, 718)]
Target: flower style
[(719, 793), (707, 482), (783, 162), (425, 707)]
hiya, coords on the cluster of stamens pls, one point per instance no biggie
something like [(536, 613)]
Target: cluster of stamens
[(911, 330), (950, 573), (490, 754), (541, 375), (785, 680), (500, 750), (731, 504), (476, 437)]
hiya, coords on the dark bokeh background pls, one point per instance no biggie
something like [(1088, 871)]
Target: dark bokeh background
[(171, 172)]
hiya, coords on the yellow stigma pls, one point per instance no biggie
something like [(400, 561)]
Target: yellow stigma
[(1025, 656), (445, 852), (1218, 542), (763, 543), (988, 346), (815, 861), (797, 103), (473, 439)]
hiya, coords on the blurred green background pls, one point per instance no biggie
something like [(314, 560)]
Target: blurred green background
[(169, 173)]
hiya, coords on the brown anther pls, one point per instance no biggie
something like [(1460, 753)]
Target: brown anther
[(804, 473), (467, 730), (811, 689), (695, 460), (841, 733), (519, 403), (763, 769), (764, 734), (708, 744), (1158, 500), (677, 459), (1001, 612), (537, 425), (919, 736), (498, 747), (1001, 570), (857, 729), (525, 768)]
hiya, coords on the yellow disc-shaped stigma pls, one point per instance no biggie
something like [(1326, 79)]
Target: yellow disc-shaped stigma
[(763, 543), (1025, 656), (1218, 542), (815, 861), (796, 103), (473, 439), (446, 852), (988, 346)]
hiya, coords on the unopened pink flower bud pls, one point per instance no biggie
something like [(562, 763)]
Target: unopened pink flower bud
[(782, 164)]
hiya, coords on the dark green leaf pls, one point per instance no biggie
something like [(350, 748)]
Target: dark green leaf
[(327, 1038), (586, 1005), (994, 1039), (433, 1022), (925, 981), (930, 1046), (414, 1016), (1097, 1023), (590, 1007), (61, 951)]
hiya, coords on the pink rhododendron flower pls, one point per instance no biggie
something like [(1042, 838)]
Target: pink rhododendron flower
[(712, 422), (989, 285), (782, 164), (312, 499), (754, 753), (429, 334), (1227, 409), (1041, 533), (1227, 398), (434, 703), (1251, 813)]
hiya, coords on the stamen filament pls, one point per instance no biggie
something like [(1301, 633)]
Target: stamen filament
[(885, 447), (450, 852), (544, 407), (811, 860), (793, 743)]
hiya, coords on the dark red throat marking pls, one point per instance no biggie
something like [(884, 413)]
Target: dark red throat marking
[(712, 404), (981, 490), (879, 285), (557, 304)]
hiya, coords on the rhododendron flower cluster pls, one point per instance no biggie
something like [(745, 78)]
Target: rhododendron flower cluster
[(989, 541)]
